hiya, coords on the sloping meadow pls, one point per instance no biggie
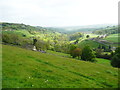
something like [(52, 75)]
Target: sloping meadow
[(29, 69)]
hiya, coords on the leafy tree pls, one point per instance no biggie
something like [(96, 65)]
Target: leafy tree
[(41, 45), (117, 50), (87, 36), (115, 62), (76, 53), (98, 52), (34, 41), (88, 54), (72, 48), (76, 41), (99, 47), (109, 47), (75, 36)]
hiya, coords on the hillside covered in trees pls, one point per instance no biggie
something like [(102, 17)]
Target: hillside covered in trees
[(107, 30)]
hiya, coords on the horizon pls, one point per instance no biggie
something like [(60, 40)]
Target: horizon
[(59, 13)]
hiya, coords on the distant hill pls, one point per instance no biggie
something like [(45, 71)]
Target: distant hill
[(107, 30), (20, 26), (69, 30), (84, 29)]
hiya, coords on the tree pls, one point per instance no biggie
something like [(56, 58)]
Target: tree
[(115, 62), (87, 54), (76, 41), (117, 50), (99, 47), (72, 48), (104, 48), (76, 53), (87, 36), (98, 52), (109, 47), (34, 41), (41, 45)]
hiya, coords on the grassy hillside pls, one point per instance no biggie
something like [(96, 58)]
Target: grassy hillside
[(107, 30), (29, 69), (92, 44), (113, 38)]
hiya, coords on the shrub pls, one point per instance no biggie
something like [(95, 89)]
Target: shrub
[(88, 54), (76, 52), (115, 62)]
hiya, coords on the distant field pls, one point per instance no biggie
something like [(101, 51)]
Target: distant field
[(103, 61), (91, 35), (99, 60), (112, 38), (92, 44), (29, 69)]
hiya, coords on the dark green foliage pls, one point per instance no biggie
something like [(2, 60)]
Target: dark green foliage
[(75, 36), (72, 48), (115, 62), (16, 26), (76, 41), (87, 36), (34, 41), (76, 53), (117, 51), (99, 47), (103, 47), (11, 38), (88, 54), (41, 45), (109, 47)]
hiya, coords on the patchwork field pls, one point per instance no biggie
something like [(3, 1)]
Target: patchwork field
[(29, 69), (92, 44), (113, 38)]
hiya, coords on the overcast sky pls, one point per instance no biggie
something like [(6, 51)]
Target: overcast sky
[(59, 12)]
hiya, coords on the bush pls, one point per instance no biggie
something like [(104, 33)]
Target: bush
[(88, 54), (11, 38), (76, 53), (115, 62), (41, 45)]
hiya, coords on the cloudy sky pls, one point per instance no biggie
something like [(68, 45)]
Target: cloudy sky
[(59, 12)]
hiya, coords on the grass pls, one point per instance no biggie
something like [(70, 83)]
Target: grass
[(29, 69), (103, 61), (92, 44), (58, 53), (91, 35), (112, 38)]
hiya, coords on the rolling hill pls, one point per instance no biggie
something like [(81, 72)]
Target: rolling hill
[(29, 69)]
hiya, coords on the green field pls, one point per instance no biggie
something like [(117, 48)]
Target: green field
[(92, 44), (113, 38), (58, 53), (103, 61), (29, 69)]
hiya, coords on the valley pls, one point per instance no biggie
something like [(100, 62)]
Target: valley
[(42, 57)]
